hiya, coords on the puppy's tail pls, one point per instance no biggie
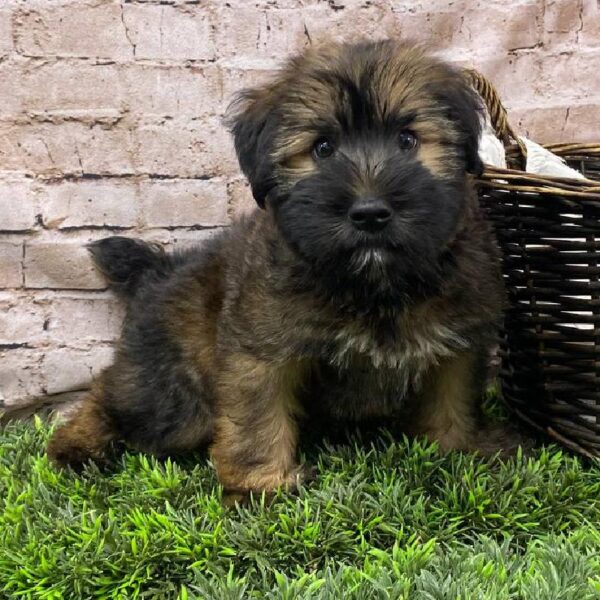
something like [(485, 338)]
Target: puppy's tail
[(125, 262)]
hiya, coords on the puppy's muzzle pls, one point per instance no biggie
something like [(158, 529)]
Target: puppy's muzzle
[(370, 214)]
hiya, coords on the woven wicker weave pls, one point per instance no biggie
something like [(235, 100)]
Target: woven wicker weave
[(549, 231)]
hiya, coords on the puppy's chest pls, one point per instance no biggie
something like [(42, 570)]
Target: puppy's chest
[(372, 373), (393, 345)]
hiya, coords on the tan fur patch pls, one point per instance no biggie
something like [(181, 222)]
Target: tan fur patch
[(446, 404), (86, 436), (255, 445), (299, 166), (435, 158)]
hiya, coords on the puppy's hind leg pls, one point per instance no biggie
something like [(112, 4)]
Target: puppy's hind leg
[(86, 436)]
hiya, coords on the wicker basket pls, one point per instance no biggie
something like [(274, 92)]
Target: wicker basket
[(549, 231)]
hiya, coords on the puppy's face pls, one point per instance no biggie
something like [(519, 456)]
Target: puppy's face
[(361, 151)]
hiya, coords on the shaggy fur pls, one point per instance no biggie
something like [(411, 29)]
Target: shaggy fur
[(368, 287)]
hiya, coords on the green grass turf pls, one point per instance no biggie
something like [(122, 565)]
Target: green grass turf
[(384, 519)]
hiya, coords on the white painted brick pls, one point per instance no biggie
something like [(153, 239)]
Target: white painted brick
[(589, 36), (90, 203), (185, 202), (73, 30), (11, 264), (469, 32), (54, 149), (194, 149), (251, 32), (60, 265), (38, 86), (66, 369), (81, 319), (165, 32), (173, 90), (6, 40), (571, 76), (21, 378), (17, 205), (562, 21), (558, 123), (21, 322)]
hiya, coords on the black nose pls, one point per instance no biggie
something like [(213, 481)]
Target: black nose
[(370, 214)]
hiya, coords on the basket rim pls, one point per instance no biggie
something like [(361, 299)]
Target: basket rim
[(513, 182), (517, 180), (571, 148)]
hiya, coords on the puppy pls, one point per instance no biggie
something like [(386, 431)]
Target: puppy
[(368, 286)]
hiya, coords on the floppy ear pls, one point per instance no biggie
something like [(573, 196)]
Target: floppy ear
[(252, 122), (466, 111), (470, 116)]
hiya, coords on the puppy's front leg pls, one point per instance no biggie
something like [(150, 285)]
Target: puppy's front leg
[(447, 411), (450, 411), (256, 434)]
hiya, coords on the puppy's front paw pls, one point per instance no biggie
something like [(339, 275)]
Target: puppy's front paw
[(290, 482), (239, 482)]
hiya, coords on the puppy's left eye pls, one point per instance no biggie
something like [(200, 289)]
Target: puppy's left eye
[(323, 148), (407, 140)]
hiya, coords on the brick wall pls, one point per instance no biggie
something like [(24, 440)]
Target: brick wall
[(110, 122)]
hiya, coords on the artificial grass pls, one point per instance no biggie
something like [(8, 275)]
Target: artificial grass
[(385, 518)]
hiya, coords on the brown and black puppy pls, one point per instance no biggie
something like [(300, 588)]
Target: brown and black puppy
[(369, 285)]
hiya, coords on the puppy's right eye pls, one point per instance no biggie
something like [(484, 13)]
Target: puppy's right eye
[(407, 140), (323, 148)]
